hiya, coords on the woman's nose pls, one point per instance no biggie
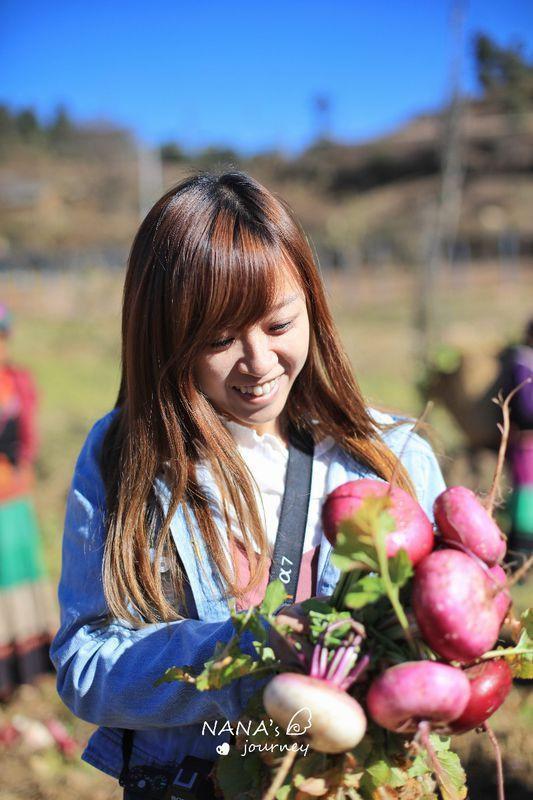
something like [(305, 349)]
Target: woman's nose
[(258, 358)]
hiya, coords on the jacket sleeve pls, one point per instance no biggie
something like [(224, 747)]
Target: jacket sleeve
[(107, 670)]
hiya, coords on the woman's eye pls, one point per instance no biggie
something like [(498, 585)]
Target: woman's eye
[(221, 343), (281, 326)]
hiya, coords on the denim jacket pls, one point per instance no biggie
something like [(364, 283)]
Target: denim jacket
[(106, 671)]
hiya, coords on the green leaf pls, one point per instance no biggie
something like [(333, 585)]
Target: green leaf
[(275, 595), (522, 667), (314, 764), (520, 657), (176, 674), (314, 606), (217, 674), (283, 792), (350, 553), (400, 568), (352, 561), (454, 788), (440, 743), (367, 590), (419, 767), (380, 773), (257, 628), (452, 781), (361, 533), (237, 775)]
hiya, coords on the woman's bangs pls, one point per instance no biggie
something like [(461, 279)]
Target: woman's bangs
[(244, 284)]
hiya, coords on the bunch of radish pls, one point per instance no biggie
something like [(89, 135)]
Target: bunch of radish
[(451, 611), (459, 598)]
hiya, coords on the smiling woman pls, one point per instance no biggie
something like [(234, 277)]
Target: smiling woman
[(231, 362)]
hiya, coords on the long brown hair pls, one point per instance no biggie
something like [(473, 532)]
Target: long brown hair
[(207, 257)]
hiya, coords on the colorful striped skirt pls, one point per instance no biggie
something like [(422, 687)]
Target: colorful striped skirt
[(27, 607)]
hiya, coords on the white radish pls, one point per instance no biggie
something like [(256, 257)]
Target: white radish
[(337, 722)]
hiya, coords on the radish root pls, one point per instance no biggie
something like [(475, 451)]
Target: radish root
[(504, 430), (520, 572), (498, 755)]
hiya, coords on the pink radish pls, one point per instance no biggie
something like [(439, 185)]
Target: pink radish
[(490, 683), (502, 598), (461, 518), (413, 532), (334, 720), (453, 602), (416, 691)]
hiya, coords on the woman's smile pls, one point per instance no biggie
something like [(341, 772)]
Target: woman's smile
[(261, 394)]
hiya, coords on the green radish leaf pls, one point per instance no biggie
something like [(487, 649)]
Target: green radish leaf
[(400, 568), (522, 667), (383, 774), (349, 552), (440, 743), (454, 785), (379, 773), (237, 775), (319, 621), (520, 657), (257, 628), (367, 590), (419, 767), (349, 562), (176, 674), (217, 674), (275, 594), (361, 534), (309, 766)]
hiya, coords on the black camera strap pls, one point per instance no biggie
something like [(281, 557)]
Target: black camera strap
[(286, 562), (290, 537)]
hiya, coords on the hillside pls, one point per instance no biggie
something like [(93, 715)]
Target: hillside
[(370, 202)]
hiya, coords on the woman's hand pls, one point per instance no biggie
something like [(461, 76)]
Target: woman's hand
[(295, 617)]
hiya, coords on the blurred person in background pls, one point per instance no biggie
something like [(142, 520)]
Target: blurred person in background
[(521, 444), (25, 599)]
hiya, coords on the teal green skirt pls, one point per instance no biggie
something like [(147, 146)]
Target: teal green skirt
[(521, 509), (27, 607)]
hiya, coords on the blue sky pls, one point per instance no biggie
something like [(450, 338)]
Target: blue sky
[(242, 74)]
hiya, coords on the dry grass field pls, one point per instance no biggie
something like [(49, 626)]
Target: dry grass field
[(67, 331)]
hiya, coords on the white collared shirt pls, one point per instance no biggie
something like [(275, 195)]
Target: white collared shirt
[(267, 457)]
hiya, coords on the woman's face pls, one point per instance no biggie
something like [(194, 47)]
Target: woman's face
[(269, 355)]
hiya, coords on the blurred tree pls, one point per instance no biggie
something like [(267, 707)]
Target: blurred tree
[(27, 125), (172, 153), (218, 158), (61, 130), (504, 74), (8, 131), (7, 124)]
